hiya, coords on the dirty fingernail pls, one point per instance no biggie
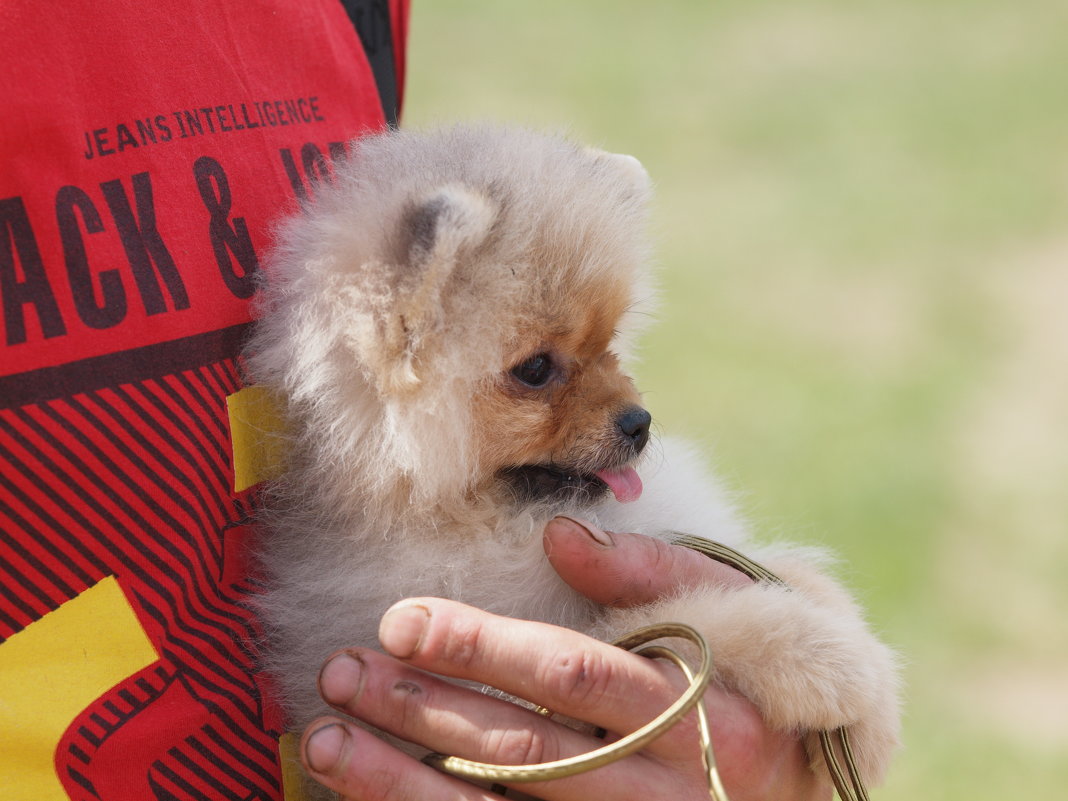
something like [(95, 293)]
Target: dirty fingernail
[(341, 679), (570, 526), (402, 627), (326, 748)]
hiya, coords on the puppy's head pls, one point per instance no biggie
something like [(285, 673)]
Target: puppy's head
[(447, 322)]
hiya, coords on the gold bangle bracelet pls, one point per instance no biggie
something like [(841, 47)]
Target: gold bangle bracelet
[(518, 774), (847, 782)]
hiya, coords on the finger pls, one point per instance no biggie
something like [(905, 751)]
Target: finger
[(442, 716), (565, 671), (754, 762), (361, 767), (628, 569), (451, 719)]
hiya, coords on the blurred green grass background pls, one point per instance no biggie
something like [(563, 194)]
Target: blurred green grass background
[(860, 223)]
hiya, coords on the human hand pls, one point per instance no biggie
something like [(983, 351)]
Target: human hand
[(572, 674)]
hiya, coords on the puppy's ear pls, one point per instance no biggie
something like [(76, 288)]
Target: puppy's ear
[(627, 168), (437, 232)]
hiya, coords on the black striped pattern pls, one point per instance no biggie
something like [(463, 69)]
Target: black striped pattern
[(133, 479)]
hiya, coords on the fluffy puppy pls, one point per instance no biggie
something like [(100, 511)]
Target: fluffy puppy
[(445, 325)]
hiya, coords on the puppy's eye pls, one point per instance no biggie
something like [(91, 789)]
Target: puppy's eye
[(535, 371)]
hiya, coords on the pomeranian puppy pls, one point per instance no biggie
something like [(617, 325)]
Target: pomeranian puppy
[(446, 325)]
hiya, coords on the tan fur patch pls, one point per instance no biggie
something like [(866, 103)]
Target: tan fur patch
[(572, 421)]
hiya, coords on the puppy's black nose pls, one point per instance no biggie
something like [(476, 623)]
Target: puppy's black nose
[(634, 424)]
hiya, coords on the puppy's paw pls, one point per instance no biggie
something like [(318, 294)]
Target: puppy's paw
[(803, 655), (868, 699)]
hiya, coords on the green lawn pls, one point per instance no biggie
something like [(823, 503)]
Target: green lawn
[(864, 268)]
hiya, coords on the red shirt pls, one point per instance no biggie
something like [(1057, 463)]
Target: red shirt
[(145, 151)]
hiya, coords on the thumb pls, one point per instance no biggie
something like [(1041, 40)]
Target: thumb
[(628, 569)]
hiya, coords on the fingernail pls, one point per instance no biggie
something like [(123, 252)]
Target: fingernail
[(325, 749), (569, 526), (402, 627), (341, 679)]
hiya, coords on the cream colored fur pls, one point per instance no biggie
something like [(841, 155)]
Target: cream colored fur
[(394, 302)]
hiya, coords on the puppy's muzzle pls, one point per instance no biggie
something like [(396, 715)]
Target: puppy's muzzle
[(633, 425), (620, 442)]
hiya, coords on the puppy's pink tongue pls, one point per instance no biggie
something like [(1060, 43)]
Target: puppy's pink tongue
[(623, 482)]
